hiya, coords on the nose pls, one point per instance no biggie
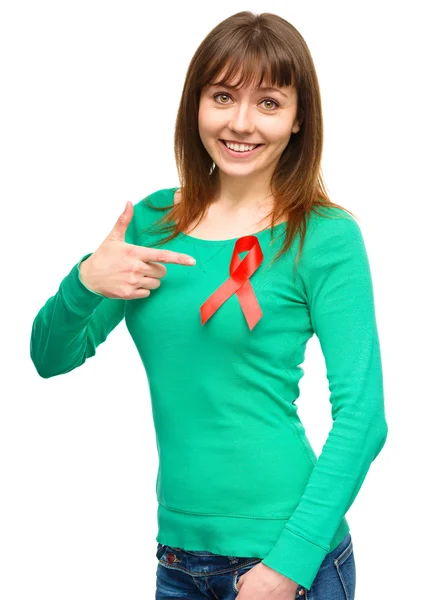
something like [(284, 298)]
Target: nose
[(241, 121)]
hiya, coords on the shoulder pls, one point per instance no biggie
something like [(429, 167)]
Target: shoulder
[(146, 211), (329, 216), (328, 223), (333, 237), (161, 198)]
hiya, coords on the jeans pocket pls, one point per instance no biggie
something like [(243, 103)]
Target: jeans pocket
[(345, 566), (239, 572)]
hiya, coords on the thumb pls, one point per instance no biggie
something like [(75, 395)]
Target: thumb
[(119, 230), (240, 582)]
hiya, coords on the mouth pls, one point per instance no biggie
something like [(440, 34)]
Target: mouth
[(240, 154)]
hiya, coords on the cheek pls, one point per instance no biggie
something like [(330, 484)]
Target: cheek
[(206, 135), (208, 126), (205, 132), (276, 132)]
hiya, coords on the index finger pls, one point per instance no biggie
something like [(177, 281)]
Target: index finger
[(163, 255)]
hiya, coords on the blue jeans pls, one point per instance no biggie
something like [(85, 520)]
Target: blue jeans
[(186, 575)]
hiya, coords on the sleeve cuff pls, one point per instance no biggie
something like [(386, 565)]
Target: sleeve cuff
[(77, 295), (296, 558)]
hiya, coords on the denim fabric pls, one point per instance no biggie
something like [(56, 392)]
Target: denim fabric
[(187, 575)]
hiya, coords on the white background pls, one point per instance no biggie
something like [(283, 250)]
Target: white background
[(89, 97)]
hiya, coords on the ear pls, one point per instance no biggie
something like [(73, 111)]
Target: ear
[(296, 127)]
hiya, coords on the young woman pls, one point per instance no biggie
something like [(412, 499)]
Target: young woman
[(246, 509)]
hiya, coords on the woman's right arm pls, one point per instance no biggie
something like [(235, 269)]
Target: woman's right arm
[(71, 325), (78, 318)]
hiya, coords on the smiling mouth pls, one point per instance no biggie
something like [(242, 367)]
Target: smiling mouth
[(240, 143), (240, 154)]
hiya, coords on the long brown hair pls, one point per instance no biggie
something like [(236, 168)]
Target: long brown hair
[(262, 47)]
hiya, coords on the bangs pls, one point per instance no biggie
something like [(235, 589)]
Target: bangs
[(251, 66)]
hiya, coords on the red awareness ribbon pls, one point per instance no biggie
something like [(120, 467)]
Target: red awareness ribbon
[(238, 282)]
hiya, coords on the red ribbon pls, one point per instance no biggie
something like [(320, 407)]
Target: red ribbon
[(238, 282)]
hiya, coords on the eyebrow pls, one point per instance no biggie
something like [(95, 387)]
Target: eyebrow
[(264, 89)]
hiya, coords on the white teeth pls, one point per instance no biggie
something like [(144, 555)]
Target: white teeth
[(240, 147)]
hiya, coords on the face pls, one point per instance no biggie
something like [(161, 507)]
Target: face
[(250, 115)]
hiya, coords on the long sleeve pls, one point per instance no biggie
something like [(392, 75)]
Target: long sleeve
[(336, 277), (71, 325), (75, 321)]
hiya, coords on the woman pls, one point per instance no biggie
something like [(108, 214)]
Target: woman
[(246, 509)]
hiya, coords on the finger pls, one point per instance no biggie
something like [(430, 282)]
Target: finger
[(149, 283), (153, 269), (167, 256), (121, 225)]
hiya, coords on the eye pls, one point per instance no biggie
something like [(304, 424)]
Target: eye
[(228, 95)]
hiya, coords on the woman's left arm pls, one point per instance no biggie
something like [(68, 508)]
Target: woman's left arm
[(336, 276)]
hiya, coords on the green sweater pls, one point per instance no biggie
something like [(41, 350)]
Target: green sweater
[(237, 475)]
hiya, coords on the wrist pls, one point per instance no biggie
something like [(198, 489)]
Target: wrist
[(84, 273)]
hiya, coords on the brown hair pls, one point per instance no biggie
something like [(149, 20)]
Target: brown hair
[(260, 47)]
